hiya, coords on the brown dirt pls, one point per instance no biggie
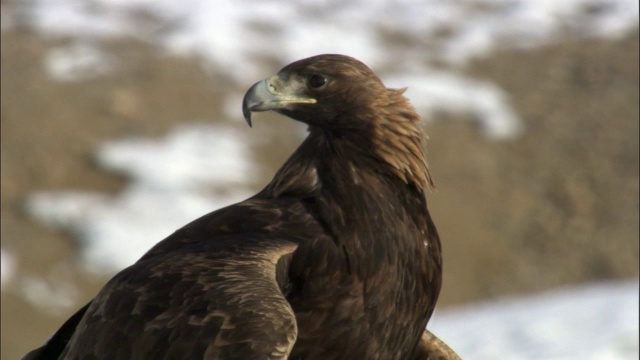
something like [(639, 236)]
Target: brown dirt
[(556, 206)]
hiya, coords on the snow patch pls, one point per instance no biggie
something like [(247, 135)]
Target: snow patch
[(591, 322), (174, 180), (441, 92), (53, 295), (7, 268), (77, 61)]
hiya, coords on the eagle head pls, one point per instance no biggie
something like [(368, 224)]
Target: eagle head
[(327, 91)]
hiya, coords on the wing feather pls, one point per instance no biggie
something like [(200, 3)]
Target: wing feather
[(209, 300), (211, 290)]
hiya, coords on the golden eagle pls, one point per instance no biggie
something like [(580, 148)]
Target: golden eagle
[(336, 258)]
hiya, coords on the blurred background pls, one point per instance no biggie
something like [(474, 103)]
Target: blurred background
[(121, 121)]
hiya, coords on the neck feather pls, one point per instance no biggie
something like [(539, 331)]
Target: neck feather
[(399, 141)]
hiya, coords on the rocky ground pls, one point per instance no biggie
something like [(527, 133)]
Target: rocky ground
[(557, 206)]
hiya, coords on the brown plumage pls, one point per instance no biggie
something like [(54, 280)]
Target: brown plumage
[(336, 258)]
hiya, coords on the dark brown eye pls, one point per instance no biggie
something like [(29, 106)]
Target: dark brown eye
[(317, 82)]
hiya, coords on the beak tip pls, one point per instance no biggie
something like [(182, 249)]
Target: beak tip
[(247, 115), (246, 108)]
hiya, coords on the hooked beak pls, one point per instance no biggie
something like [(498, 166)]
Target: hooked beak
[(273, 94)]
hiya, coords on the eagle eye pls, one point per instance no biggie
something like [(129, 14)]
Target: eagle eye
[(317, 82)]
